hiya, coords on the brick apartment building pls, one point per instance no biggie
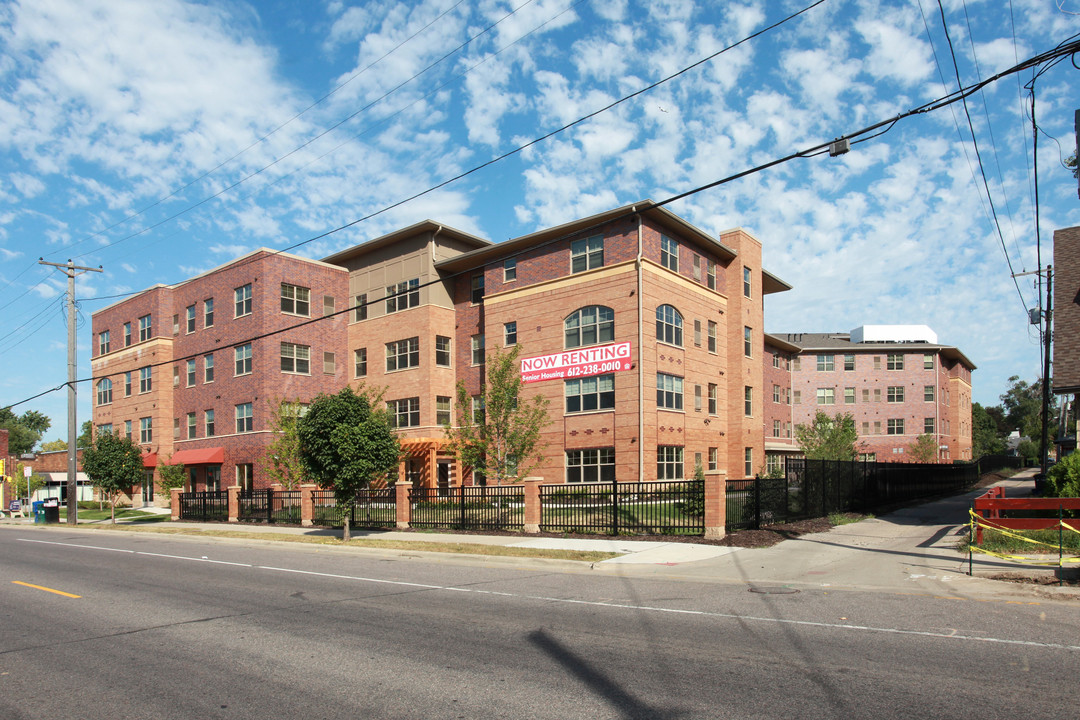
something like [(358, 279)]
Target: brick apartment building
[(896, 380), (191, 371)]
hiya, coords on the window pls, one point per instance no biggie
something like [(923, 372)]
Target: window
[(776, 393), (127, 334), (359, 307), (295, 300), (714, 458), (442, 410), (208, 421), (477, 343), (586, 254), (208, 312), (329, 305), (797, 397), (404, 295), (877, 427), (777, 428), (590, 325), (146, 430), (746, 277), (190, 372), (797, 364), (329, 362), (103, 342), (748, 462), (402, 354), (697, 333), (895, 426), (476, 295), (245, 420), (928, 425), (894, 361), (127, 429), (295, 359), (710, 274), (242, 355), (243, 300), (146, 328), (849, 396), (928, 393), (404, 413), (146, 379), (509, 334), (190, 318), (175, 324), (127, 384), (776, 360), (360, 362), (669, 253), (442, 351), (104, 391), (190, 426), (895, 394), (825, 363), (596, 465), (669, 392), (849, 362), (712, 398), (477, 409), (748, 401), (591, 393), (697, 398), (509, 269), (928, 361), (208, 368), (877, 395), (748, 342), (877, 362), (774, 464), (669, 462), (697, 271), (176, 376), (245, 477), (712, 337), (669, 325), (105, 429)]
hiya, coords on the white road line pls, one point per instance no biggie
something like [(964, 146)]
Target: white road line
[(596, 603)]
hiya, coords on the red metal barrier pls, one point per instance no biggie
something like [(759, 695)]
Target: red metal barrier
[(993, 504)]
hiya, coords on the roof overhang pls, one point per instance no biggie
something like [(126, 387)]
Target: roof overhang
[(391, 238)]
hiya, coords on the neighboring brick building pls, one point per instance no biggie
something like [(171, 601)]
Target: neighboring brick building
[(897, 382), (683, 312), (779, 415)]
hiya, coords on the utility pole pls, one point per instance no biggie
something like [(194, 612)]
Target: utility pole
[(1047, 332), (72, 485)]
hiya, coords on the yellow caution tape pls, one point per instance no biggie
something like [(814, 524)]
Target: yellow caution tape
[(983, 522), (1025, 560)]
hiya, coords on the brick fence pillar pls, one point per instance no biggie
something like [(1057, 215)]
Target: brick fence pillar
[(715, 505), (307, 504), (532, 504), (401, 503), (276, 503), (234, 503), (174, 502)]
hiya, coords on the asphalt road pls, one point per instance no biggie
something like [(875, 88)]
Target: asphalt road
[(168, 627)]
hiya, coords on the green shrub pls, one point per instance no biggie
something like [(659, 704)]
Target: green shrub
[(1063, 480)]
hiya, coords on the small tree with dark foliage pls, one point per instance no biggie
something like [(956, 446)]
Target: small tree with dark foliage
[(113, 464)]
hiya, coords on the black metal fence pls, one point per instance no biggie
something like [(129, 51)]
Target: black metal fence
[(481, 507), (651, 508), (371, 508), (816, 488), (207, 505), (270, 506)]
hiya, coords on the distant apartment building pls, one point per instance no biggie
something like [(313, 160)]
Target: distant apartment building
[(647, 332), (896, 380)]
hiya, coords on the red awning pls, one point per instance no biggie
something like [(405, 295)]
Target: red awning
[(200, 456), (149, 460)]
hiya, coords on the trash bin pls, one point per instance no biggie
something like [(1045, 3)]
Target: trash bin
[(52, 511), (39, 511)]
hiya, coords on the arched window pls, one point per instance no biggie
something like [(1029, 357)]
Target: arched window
[(668, 325), (590, 325)]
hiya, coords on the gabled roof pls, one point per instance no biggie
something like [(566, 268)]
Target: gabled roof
[(421, 227), (841, 342)]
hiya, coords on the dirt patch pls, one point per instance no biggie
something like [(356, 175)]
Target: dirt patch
[(1032, 579)]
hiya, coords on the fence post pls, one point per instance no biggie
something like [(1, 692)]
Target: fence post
[(174, 502), (614, 507), (533, 511), (757, 499), (401, 504), (234, 502), (716, 505), (307, 505)]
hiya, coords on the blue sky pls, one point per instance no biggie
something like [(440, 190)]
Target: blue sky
[(160, 138)]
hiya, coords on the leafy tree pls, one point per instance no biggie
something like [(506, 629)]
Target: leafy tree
[(1022, 405), (1029, 450), (25, 487), (923, 449), (1070, 162), (695, 499), (828, 437), (345, 443), (170, 476), (502, 439), (113, 464), (986, 439), (24, 430), (1063, 479), (283, 455), (54, 446), (86, 437)]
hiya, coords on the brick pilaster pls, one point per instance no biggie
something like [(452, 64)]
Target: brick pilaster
[(716, 505), (174, 502), (404, 509), (532, 504), (234, 502), (307, 504)]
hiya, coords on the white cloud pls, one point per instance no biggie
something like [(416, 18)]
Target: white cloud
[(895, 54)]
